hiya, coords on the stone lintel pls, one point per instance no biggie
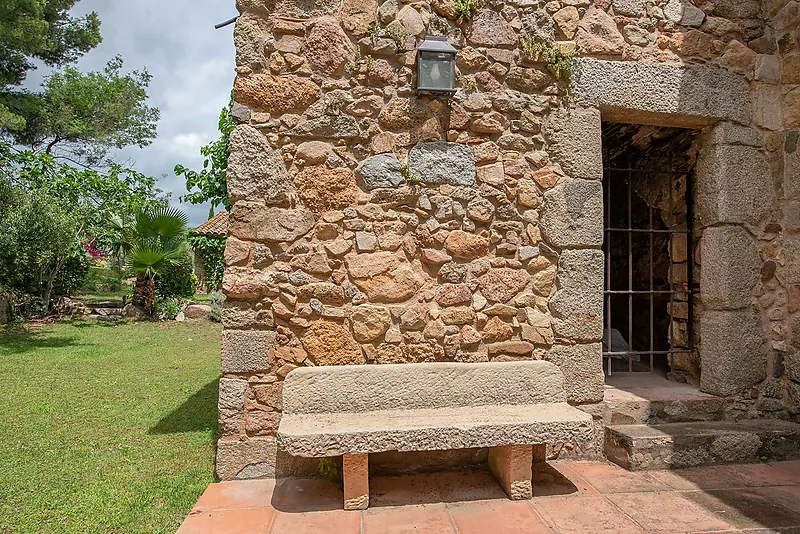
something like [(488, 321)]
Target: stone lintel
[(662, 94)]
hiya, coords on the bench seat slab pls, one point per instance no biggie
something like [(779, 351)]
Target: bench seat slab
[(334, 434)]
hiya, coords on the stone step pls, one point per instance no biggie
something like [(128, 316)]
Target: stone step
[(678, 445), (108, 312), (105, 304), (644, 398)]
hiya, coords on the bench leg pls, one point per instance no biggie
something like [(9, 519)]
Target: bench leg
[(540, 453), (511, 466), (355, 475)]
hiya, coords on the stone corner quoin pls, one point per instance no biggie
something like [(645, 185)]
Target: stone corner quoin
[(372, 225)]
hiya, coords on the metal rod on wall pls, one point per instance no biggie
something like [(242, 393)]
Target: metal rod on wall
[(226, 23)]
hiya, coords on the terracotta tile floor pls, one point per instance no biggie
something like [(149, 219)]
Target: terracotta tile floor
[(569, 497)]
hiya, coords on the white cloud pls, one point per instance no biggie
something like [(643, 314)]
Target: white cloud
[(184, 146), (192, 67)]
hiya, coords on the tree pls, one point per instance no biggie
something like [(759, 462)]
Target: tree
[(91, 195), (36, 237), (211, 182), (155, 242), (84, 199), (41, 30), (80, 116)]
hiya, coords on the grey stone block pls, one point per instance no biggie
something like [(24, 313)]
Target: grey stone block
[(729, 133), (791, 149), (582, 366), (440, 162), (574, 137), (792, 270), (632, 8), (328, 127), (794, 330), (255, 170), (240, 459), (734, 185), (679, 445), (231, 405), (360, 388), (240, 113), (256, 457), (731, 267), (247, 351), (572, 214), (793, 366), (734, 351), (231, 393), (383, 170), (540, 24), (667, 94), (360, 409), (577, 305)]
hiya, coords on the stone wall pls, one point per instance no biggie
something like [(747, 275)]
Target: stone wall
[(370, 225)]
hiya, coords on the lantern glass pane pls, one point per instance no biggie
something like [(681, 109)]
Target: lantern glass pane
[(436, 71)]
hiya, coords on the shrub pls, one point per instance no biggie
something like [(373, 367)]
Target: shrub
[(167, 308), (73, 273), (104, 280), (177, 279), (216, 300), (23, 305), (212, 253)]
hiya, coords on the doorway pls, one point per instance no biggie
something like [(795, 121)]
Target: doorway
[(649, 245)]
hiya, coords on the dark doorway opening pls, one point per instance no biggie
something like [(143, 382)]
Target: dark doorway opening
[(649, 244)]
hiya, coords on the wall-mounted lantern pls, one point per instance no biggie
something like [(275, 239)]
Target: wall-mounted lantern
[(436, 67)]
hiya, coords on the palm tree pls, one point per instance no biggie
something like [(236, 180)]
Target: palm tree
[(157, 239)]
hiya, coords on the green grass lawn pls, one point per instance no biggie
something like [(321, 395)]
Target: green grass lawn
[(106, 428), (93, 298)]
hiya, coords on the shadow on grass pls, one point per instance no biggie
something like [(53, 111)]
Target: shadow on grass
[(95, 323), (20, 339), (199, 412)]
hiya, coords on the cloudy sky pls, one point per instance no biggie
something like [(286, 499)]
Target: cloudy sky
[(192, 67)]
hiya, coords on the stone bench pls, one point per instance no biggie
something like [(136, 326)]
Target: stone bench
[(515, 408)]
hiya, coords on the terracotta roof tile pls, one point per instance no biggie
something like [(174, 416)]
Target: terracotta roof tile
[(215, 226)]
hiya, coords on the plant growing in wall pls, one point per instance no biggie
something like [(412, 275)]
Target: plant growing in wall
[(465, 9), (375, 30), (365, 61), (469, 84), (558, 61), (409, 176)]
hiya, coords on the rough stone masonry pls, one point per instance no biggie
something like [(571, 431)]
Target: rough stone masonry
[(370, 225)]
